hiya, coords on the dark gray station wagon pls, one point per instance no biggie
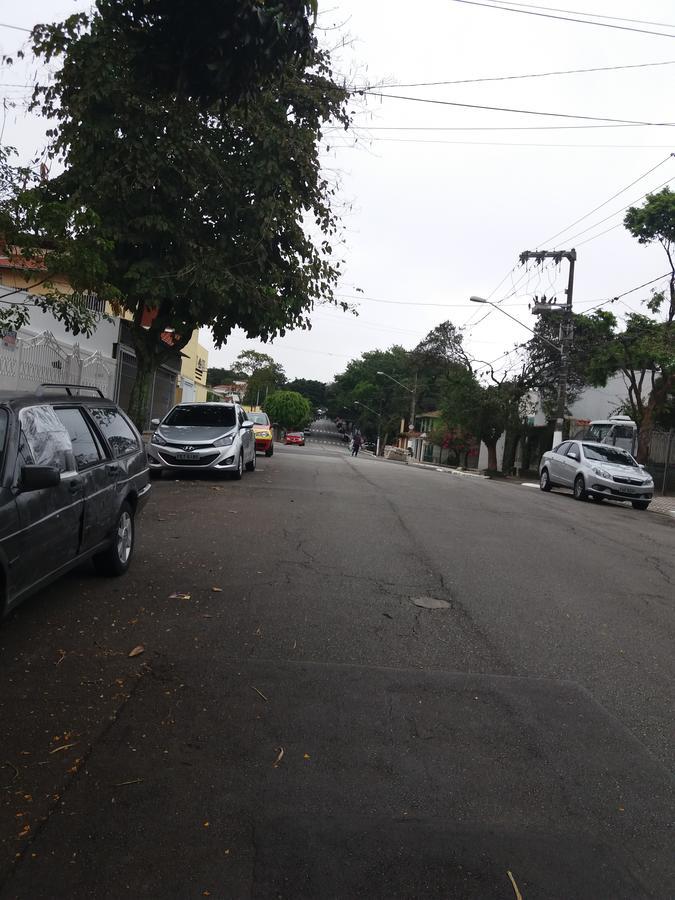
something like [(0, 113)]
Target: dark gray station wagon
[(73, 476)]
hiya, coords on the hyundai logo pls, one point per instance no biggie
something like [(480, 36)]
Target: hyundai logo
[(188, 447)]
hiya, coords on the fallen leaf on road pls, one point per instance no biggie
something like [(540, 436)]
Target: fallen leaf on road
[(260, 693), (180, 595), (430, 602), (133, 781), (387, 615), (280, 756), (137, 651), (24, 831), (217, 590), (62, 747), (306, 756)]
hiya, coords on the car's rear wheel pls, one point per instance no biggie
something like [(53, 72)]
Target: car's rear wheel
[(640, 504), (116, 559), (545, 481), (269, 452), (250, 466), (580, 488), (237, 474)]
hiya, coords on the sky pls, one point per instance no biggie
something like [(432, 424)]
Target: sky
[(437, 201)]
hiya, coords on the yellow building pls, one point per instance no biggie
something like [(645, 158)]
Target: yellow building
[(194, 367)]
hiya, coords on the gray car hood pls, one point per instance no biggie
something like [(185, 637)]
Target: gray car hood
[(621, 471), (193, 434)]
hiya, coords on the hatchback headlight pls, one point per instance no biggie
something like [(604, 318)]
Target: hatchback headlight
[(224, 441), (157, 439), (603, 473), (263, 434)]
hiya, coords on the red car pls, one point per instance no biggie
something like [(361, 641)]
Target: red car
[(295, 437)]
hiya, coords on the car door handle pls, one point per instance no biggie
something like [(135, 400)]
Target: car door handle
[(112, 469), (75, 485)]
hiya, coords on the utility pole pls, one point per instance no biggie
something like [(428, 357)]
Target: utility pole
[(413, 403), (566, 328)]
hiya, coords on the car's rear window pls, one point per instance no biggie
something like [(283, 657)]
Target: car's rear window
[(4, 419), (260, 418), (116, 430), (202, 416)]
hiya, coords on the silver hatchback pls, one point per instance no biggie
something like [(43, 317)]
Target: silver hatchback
[(195, 436), (596, 470)]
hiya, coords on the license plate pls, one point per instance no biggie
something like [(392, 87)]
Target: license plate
[(186, 456)]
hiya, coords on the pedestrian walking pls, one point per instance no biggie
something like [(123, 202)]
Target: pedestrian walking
[(356, 444)]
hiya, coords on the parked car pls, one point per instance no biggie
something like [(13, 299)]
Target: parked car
[(73, 478), (262, 430), (295, 437), (596, 470), (213, 436)]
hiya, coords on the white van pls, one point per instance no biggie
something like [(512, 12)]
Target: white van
[(619, 431)]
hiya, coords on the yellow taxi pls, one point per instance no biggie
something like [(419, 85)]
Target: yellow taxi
[(262, 431)]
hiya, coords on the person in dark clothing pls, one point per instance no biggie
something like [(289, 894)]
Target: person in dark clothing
[(356, 444)]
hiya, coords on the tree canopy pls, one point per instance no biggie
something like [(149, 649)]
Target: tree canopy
[(187, 198), (288, 409)]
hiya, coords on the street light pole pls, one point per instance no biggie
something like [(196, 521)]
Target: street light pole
[(412, 391), (379, 422)]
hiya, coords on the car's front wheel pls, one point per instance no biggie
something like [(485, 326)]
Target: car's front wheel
[(640, 504), (250, 466), (237, 474), (269, 452), (545, 481), (580, 488), (116, 559)]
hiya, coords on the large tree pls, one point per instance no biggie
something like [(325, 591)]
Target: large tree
[(654, 223), (479, 410), (190, 192), (288, 409), (314, 390)]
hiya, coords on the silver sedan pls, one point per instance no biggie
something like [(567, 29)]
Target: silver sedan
[(596, 470)]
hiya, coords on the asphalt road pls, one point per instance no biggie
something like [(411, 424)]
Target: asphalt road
[(307, 731)]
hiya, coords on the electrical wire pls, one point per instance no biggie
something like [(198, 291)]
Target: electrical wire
[(493, 78), (15, 27), (613, 197), (393, 140), (526, 12), (525, 112), (576, 12)]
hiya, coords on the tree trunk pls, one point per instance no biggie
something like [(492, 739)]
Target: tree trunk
[(656, 399), (139, 403), (492, 456)]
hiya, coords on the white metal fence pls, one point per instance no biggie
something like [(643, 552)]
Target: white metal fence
[(661, 462), (27, 362)]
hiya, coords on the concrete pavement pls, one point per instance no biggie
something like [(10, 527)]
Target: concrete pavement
[(525, 728)]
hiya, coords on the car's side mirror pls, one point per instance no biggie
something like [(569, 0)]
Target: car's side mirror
[(154, 422), (247, 424), (35, 478)]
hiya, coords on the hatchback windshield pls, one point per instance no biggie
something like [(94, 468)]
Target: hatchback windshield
[(609, 455), (259, 418), (202, 416)]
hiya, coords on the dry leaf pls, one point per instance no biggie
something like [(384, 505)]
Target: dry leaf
[(137, 651), (217, 590), (179, 595), (260, 693), (62, 747), (280, 756)]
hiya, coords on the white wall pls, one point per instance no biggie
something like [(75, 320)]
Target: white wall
[(594, 403), (102, 339)]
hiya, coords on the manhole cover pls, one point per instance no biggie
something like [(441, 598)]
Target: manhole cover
[(430, 602)]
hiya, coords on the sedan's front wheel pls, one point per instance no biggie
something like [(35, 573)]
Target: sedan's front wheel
[(580, 488), (545, 481), (116, 559), (250, 466)]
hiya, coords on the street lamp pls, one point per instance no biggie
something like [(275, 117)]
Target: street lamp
[(412, 391), (517, 321), (379, 422)]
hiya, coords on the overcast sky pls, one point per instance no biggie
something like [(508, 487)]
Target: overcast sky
[(438, 200)]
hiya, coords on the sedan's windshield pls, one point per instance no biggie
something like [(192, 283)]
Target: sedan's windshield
[(259, 418), (202, 416), (3, 434), (608, 454)]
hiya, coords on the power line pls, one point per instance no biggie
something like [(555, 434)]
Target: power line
[(613, 197), (492, 78), (484, 127), (618, 211), (525, 112), (15, 27), (393, 140), (631, 291), (527, 12), (576, 12)]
